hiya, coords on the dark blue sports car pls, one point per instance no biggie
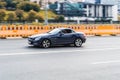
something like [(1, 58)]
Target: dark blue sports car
[(58, 36)]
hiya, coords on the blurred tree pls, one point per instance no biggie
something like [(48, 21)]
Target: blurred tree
[(9, 3), (118, 17), (2, 0), (19, 14), (60, 18), (40, 18), (27, 6), (32, 15), (11, 16), (2, 14), (12, 4), (2, 5), (36, 7)]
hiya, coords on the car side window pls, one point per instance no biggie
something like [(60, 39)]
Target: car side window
[(64, 31), (67, 31)]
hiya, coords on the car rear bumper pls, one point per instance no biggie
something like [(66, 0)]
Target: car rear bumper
[(84, 40)]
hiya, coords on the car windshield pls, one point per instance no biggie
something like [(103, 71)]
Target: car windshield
[(54, 31)]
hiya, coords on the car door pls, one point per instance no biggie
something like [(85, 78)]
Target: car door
[(66, 37), (70, 36), (58, 38)]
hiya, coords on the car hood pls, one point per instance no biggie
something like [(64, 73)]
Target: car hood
[(40, 35)]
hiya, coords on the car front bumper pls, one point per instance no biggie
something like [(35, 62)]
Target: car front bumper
[(33, 42)]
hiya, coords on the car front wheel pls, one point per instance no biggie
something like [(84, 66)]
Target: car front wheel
[(46, 43), (78, 42)]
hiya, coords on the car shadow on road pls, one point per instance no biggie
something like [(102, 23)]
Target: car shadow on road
[(54, 47)]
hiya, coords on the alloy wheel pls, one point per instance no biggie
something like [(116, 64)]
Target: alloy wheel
[(78, 42), (46, 43)]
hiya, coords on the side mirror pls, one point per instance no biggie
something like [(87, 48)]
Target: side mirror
[(61, 33)]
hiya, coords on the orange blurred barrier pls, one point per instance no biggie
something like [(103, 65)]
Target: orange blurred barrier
[(28, 30)]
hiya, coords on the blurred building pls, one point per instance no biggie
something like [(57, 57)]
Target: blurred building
[(112, 2), (90, 1), (42, 3), (53, 1), (118, 6), (98, 1), (85, 10)]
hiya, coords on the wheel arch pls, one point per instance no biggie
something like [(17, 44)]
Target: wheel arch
[(47, 39), (79, 38)]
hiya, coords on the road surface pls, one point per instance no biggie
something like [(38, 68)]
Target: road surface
[(97, 59)]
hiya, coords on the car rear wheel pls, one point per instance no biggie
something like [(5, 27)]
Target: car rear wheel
[(78, 42), (46, 43)]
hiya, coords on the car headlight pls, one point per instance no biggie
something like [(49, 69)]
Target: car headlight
[(37, 39)]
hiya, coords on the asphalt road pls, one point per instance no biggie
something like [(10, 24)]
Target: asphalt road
[(97, 59)]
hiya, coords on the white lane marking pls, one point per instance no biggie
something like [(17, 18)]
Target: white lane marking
[(107, 62), (62, 51)]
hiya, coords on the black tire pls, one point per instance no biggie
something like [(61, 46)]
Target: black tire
[(78, 42), (46, 43)]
